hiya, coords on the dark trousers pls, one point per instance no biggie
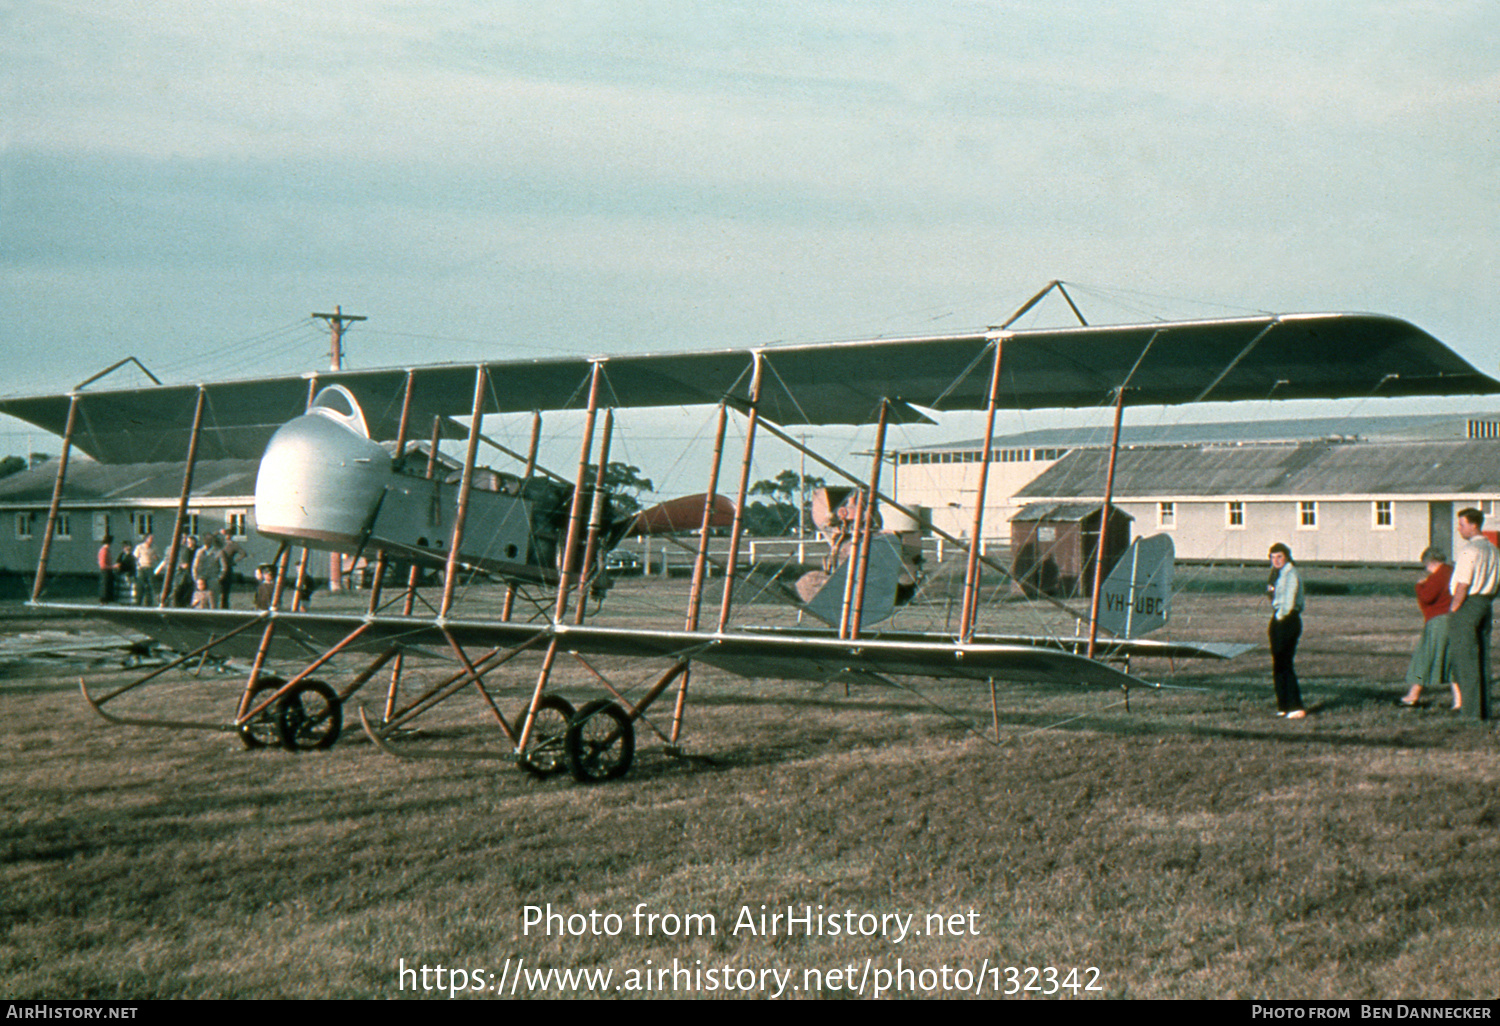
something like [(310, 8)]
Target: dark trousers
[(1284, 635), (1469, 641)]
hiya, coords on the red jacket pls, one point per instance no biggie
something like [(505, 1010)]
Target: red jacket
[(1433, 594)]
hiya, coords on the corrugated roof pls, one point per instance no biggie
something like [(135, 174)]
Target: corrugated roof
[(1381, 428), (104, 484), (1312, 468), (1062, 512)]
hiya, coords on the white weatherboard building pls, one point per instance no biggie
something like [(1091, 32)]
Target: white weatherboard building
[(1373, 490)]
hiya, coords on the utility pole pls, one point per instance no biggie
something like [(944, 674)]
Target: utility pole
[(336, 322)]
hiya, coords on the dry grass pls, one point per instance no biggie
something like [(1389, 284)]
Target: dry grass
[(1193, 846)]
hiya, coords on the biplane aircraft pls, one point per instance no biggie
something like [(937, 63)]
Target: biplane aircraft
[(339, 471)]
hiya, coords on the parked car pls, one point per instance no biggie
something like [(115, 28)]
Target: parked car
[(623, 562)]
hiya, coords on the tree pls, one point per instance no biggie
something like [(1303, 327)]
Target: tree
[(787, 492), (11, 465), (620, 481)]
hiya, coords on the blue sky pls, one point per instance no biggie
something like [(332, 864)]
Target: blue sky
[(186, 182)]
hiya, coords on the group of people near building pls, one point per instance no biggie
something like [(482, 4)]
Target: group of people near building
[(136, 573), (1457, 603)]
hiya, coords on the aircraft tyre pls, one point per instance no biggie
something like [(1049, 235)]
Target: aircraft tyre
[(600, 742), (545, 752), (262, 731), (311, 717)]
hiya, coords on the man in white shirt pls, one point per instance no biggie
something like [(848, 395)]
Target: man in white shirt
[(1476, 581)]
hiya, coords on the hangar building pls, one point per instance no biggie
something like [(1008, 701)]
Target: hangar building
[(1350, 490)]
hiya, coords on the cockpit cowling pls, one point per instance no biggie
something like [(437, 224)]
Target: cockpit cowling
[(321, 478)]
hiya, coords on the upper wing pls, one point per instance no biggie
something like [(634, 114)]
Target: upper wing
[(1297, 356), (786, 656)]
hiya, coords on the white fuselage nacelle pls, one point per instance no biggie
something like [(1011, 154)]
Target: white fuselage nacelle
[(324, 484)]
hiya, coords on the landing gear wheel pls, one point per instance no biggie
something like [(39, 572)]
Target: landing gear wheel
[(262, 731), (600, 742), (545, 753), (311, 717)]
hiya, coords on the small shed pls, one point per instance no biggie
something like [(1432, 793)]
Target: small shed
[(1053, 546)]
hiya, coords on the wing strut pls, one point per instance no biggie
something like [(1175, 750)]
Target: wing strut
[(969, 611), (570, 547), (737, 530), (700, 565), (466, 485), (854, 610), (57, 490), (1109, 497), (169, 581)]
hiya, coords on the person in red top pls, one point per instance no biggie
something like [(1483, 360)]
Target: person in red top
[(1430, 664), (107, 570)]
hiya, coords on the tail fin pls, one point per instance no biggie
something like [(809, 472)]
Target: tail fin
[(1136, 598)]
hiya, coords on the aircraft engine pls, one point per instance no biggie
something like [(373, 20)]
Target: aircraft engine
[(321, 478)]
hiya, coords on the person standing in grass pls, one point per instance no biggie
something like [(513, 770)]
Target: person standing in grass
[(1430, 663), (1476, 581), (1285, 592)]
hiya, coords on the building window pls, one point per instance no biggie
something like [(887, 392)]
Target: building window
[(64, 527), (25, 523), (1307, 516), (237, 526), (1234, 514), (1385, 515), (1166, 515), (140, 523)]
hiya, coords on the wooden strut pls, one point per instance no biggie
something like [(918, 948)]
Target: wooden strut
[(610, 687), (472, 673), (56, 503), (451, 685), (169, 582), (409, 602), (477, 677), (565, 579), (382, 559), (306, 671), (700, 567), (466, 485), (1109, 496), (638, 710), (256, 666), (969, 611), (97, 704), (867, 522), (508, 609), (283, 553), (586, 571), (737, 529)]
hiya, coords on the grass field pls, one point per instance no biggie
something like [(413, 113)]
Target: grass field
[(1192, 845)]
